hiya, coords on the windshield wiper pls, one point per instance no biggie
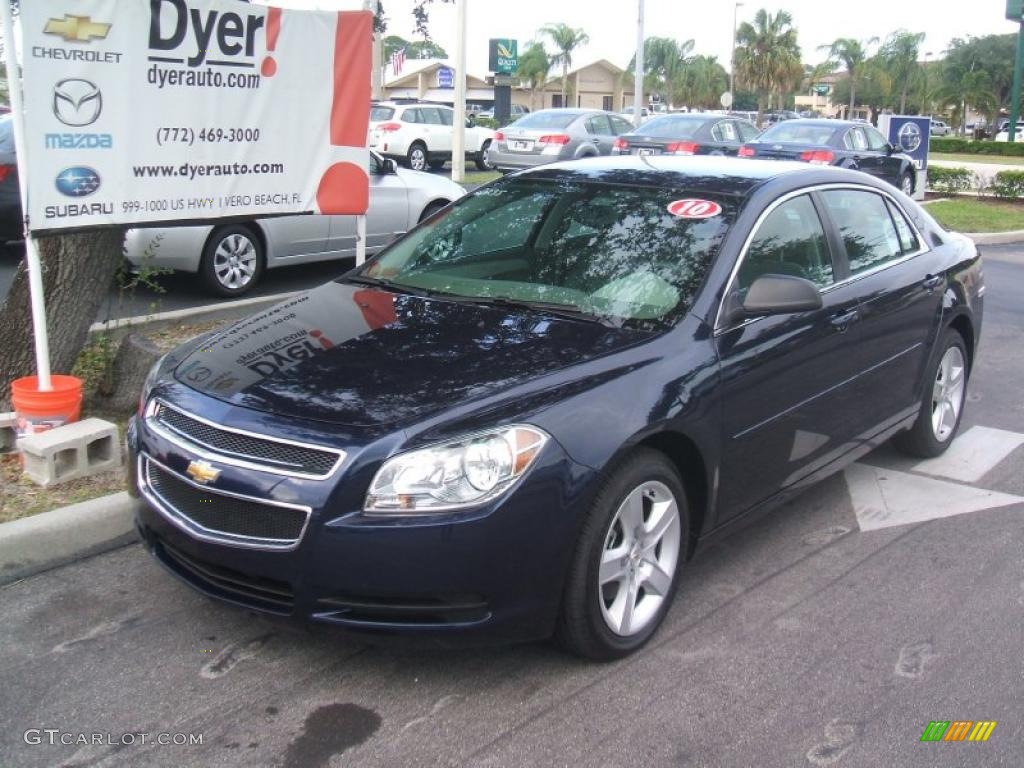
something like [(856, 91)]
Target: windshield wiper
[(557, 309), (391, 285)]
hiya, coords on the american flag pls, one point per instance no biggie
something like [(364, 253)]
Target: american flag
[(397, 61)]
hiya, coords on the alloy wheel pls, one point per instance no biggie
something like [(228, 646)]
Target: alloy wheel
[(948, 394), (907, 185), (417, 159), (234, 261), (639, 558)]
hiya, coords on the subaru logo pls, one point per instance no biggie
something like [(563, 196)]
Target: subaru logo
[(77, 102), (909, 137), (78, 181)]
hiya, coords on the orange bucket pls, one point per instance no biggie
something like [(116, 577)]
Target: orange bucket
[(41, 411)]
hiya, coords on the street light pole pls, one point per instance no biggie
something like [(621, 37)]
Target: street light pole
[(459, 134), (732, 56), (638, 67)]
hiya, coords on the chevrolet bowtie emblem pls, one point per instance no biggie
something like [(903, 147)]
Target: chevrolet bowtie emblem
[(78, 29), (202, 471)]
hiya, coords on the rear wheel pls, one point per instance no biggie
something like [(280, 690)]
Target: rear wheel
[(416, 158), (943, 403), (624, 571), (232, 261), (482, 163)]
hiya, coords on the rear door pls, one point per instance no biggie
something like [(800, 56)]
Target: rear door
[(599, 133), (440, 135), (860, 155), (899, 284), (726, 136), (787, 380)]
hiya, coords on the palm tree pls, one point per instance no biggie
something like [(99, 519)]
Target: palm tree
[(899, 54), (566, 39), (664, 60), (533, 68), (768, 55), (966, 86), (852, 54), (701, 82)]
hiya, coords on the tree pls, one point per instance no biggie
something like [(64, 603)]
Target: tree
[(421, 49), (981, 69), (851, 54), (664, 59), (898, 56), (534, 65), (701, 82), (566, 39), (768, 56)]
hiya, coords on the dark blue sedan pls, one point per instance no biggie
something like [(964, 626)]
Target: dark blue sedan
[(522, 418)]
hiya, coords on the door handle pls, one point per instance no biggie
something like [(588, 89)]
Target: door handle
[(841, 323), (931, 282)]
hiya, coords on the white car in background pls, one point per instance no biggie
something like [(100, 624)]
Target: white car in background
[(420, 135), (1004, 135), (940, 128), (231, 258)]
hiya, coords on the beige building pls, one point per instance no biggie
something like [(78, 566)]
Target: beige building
[(597, 85)]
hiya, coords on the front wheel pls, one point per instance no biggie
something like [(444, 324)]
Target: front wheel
[(907, 184), (943, 403), (416, 158), (232, 261), (482, 163), (624, 571)]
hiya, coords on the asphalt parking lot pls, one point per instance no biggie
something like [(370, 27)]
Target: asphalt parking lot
[(829, 633)]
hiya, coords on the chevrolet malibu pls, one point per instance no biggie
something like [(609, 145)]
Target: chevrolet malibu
[(525, 416)]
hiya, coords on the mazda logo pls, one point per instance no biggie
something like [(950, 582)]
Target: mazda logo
[(77, 102), (77, 181)]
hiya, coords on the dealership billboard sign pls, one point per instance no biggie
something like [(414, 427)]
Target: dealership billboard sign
[(186, 110), (503, 56)]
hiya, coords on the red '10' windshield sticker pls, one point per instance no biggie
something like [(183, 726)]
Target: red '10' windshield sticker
[(694, 209)]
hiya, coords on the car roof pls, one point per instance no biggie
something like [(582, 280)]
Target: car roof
[(824, 122), (729, 176)]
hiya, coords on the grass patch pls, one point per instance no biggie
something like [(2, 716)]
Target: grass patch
[(963, 157), (975, 215), (477, 178)]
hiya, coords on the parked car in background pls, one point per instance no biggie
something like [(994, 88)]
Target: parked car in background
[(522, 419), (844, 143), (1004, 134), (693, 133), (11, 224), (940, 128), (645, 113), (549, 135), (518, 110), (420, 135), (771, 118), (231, 258)]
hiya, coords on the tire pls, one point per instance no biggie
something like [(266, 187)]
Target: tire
[(593, 622), (432, 208), (233, 261), (416, 158), (482, 163), (436, 165), (942, 404), (907, 184)]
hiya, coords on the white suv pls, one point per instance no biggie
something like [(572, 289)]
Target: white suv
[(420, 135)]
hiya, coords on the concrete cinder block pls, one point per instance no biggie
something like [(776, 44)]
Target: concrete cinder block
[(75, 450), (8, 431)]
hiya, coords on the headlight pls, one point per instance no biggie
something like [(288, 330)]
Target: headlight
[(454, 475), (149, 383)]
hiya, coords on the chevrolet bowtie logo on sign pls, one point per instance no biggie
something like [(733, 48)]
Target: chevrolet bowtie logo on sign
[(77, 29), (958, 730), (202, 471)]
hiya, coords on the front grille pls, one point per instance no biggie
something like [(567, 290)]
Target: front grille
[(271, 454), (225, 517), (256, 591), (440, 610)]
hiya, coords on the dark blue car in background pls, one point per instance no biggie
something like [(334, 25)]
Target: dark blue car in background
[(523, 417)]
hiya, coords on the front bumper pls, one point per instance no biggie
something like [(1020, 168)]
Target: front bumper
[(492, 572)]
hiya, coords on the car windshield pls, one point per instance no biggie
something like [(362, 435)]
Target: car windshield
[(381, 113), (798, 134), (672, 127), (607, 251), (546, 120)]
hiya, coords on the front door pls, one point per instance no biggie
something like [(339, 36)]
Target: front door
[(387, 217), (787, 380)]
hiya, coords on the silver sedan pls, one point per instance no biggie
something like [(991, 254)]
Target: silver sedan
[(231, 258), (551, 135)]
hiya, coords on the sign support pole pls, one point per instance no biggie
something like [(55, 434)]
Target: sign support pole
[(459, 134), (35, 267), (1018, 64), (638, 68), (360, 239)]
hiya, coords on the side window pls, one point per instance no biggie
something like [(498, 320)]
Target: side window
[(876, 141), (908, 240), (503, 228), (866, 227), (411, 116), (429, 116), (724, 131), (597, 125), (790, 241), (747, 131), (856, 140), (620, 126), (447, 116)]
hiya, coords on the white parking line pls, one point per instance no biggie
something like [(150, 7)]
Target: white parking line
[(883, 498), (972, 455)]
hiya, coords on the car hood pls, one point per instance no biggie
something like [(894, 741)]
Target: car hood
[(358, 356), (431, 184)]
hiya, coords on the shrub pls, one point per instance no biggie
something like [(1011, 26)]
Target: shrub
[(964, 146), (487, 122), (1008, 184), (949, 181)]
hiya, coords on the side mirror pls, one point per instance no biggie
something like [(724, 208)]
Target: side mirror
[(780, 295), (388, 166), (891, 149)]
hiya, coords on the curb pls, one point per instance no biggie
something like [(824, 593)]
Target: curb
[(996, 238), (51, 539), (224, 309)]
